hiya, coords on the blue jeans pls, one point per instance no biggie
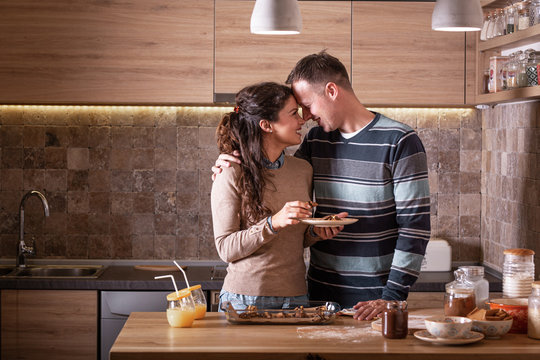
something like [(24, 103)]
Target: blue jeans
[(241, 302)]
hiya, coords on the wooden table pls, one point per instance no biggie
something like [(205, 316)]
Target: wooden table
[(149, 336)]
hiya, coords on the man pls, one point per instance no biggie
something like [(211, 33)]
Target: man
[(373, 168)]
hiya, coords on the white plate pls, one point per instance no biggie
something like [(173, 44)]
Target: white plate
[(471, 337), (320, 222)]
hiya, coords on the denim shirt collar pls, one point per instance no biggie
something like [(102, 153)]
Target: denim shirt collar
[(276, 164)]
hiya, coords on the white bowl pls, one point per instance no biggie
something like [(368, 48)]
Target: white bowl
[(448, 327), (492, 329)]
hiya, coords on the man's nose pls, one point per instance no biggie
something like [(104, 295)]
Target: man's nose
[(306, 114)]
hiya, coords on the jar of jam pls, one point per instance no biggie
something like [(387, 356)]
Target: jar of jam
[(459, 299), (395, 320)]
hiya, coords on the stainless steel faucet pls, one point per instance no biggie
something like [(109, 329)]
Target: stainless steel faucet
[(22, 249)]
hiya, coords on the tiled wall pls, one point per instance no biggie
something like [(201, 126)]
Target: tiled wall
[(510, 181), (134, 182)]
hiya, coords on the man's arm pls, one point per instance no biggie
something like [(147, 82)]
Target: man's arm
[(411, 193)]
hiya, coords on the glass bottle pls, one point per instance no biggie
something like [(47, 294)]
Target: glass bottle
[(532, 64), (534, 12), (181, 309), (511, 72), (491, 26), (521, 73), (533, 316), (395, 320), (475, 274), (510, 19), (459, 299), (518, 272), (523, 15), (501, 23), (483, 33)]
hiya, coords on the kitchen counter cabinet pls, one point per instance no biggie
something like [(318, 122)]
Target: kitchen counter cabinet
[(148, 336), (243, 58), (106, 52), (398, 60), (49, 324)]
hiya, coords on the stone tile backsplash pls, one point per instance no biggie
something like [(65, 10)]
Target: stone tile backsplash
[(133, 182), (510, 181)]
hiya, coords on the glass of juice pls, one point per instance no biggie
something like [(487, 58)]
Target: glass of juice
[(199, 299), (181, 309)]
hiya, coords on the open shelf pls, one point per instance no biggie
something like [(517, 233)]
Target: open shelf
[(519, 38), (509, 95)]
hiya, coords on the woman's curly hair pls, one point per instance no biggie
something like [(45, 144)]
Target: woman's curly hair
[(240, 130)]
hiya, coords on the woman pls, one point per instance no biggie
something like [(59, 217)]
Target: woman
[(255, 205)]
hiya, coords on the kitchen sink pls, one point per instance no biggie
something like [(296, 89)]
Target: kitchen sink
[(56, 271)]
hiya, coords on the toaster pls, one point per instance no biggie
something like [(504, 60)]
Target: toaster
[(438, 256)]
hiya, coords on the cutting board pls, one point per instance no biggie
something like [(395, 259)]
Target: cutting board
[(158, 267), (416, 322)]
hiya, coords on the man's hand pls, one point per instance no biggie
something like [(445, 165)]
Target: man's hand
[(367, 310), (290, 213), (326, 233), (225, 160)]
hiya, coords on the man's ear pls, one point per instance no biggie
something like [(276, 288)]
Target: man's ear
[(331, 90), (265, 126)]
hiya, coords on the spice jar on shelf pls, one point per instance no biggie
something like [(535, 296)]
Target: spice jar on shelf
[(533, 316), (532, 68), (523, 15), (491, 26), (475, 274), (534, 12), (521, 73), (459, 299), (483, 32), (395, 320), (518, 272), (510, 14)]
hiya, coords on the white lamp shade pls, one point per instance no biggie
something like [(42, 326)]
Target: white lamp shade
[(276, 17), (457, 15)]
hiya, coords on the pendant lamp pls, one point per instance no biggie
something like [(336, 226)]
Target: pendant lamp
[(457, 15), (276, 17)]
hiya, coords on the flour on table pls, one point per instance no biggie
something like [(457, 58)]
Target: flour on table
[(338, 333)]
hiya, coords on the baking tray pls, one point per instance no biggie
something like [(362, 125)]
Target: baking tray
[(316, 312)]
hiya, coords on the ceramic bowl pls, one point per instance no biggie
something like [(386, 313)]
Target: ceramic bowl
[(492, 329), (448, 327), (517, 308)]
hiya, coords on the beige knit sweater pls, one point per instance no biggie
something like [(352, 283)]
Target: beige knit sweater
[(262, 263)]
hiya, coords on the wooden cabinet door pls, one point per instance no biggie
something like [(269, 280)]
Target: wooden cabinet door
[(243, 58), (103, 52), (399, 60), (49, 324)]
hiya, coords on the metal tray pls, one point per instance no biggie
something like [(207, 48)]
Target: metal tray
[(316, 312)]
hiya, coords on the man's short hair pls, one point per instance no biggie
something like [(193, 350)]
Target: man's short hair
[(320, 69)]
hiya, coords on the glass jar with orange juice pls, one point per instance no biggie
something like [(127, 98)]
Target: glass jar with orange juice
[(199, 299), (180, 309)]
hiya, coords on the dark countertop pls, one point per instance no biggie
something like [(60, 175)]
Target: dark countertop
[(122, 278)]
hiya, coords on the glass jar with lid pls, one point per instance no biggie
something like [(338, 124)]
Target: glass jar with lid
[(511, 72), (459, 299), (490, 32), (483, 32), (523, 15), (534, 12), (533, 312), (532, 68), (510, 14), (395, 320), (518, 272), (475, 274), (522, 60)]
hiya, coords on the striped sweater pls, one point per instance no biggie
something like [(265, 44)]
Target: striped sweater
[(380, 177)]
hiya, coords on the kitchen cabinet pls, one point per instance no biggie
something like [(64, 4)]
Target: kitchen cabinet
[(106, 52), (398, 60), (52, 324), (243, 58), (494, 47)]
